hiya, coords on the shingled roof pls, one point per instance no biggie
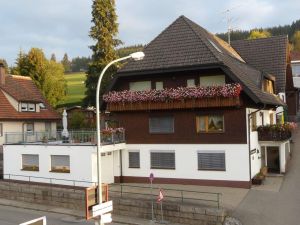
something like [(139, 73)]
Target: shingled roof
[(184, 44), (266, 54), (23, 89)]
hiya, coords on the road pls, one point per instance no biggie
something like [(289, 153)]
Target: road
[(275, 208)]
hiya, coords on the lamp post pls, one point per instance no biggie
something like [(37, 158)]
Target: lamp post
[(135, 56)]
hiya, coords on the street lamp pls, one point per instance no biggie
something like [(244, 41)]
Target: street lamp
[(135, 56)]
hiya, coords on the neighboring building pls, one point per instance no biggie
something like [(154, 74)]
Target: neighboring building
[(295, 62), (196, 140), (88, 113), (23, 108), (272, 55)]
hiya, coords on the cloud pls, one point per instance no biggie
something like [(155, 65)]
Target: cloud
[(60, 26)]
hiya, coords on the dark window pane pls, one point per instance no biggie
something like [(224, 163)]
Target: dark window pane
[(161, 125), (134, 160), (211, 161), (162, 160)]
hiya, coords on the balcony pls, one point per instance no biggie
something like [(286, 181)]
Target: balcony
[(108, 137), (279, 132), (227, 95)]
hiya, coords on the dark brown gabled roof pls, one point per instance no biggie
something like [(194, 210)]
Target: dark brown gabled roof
[(266, 54), (184, 44), (23, 89), (295, 55)]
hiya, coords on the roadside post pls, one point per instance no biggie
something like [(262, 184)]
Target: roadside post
[(160, 200), (151, 178)]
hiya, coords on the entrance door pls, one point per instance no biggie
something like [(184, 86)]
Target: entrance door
[(273, 160)]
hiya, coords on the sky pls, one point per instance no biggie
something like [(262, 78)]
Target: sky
[(59, 26)]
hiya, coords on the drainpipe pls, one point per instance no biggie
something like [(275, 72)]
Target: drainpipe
[(121, 167), (249, 145)]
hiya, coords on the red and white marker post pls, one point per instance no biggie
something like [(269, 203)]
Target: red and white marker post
[(160, 198)]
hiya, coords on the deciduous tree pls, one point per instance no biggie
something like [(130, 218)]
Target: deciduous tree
[(259, 34)]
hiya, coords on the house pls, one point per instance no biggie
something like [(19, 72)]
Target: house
[(272, 55), (89, 115), (23, 108), (191, 110), (295, 63), (33, 149)]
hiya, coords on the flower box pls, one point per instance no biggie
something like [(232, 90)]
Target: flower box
[(278, 132), (176, 104)]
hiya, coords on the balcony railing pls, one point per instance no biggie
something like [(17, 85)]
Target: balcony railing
[(273, 133), (56, 138)]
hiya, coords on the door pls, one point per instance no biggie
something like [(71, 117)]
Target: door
[(273, 160)]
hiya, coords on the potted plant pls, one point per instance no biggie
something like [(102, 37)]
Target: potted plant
[(258, 179)]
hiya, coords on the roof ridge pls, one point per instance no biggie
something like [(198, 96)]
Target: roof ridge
[(187, 21)]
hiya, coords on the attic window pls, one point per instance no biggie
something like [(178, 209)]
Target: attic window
[(268, 86), (214, 45), (24, 107), (42, 105)]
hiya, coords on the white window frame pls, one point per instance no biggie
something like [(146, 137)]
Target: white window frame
[(140, 86), (163, 152), (151, 131), (139, 155), (33, 167), (60, 168), (24, 107), (159, 85), (1, 129), (31, 107), (211, 152)]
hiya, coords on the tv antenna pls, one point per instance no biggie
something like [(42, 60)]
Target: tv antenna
[(229, 20)]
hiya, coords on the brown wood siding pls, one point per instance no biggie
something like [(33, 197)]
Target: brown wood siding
[(170, 80), (137, 127)]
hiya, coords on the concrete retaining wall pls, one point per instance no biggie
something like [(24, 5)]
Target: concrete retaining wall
[(43, 194), (172, 212)]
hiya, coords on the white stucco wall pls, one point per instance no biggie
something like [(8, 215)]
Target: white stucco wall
[(254, 144), (236, 157)]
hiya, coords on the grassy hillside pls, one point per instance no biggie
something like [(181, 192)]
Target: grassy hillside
[(75, 89)]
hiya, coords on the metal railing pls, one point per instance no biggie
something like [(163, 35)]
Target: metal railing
[(75, 137), (48, 180), (170, 195)]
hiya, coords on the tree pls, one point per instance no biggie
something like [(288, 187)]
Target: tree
[(259, 34), (46, 74), (296, 41), (103, 31), (80, 64), (53, 57), (77, 121), (3, 61), (66, 63)]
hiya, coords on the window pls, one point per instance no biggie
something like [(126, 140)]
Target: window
[(30, 162), (140, 86), (271, 118), (268, 86), (31, 107), (134, 159), (48, 127), (210, 123), (159, 85), (1, 129), (253, 122), (162, 160), (212, 80), (29, 128), (296, 69), (42, 105), (60, 163), (190, 83), (161, 124), (24, 107), (211, 160)]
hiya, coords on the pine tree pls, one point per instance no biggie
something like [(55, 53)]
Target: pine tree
[(53, 57), (66, 63), (103, 32)]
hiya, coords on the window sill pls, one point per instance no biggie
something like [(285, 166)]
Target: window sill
[(211, 132), (59, 171), (31, 170), (134, 167), (157, 168), (217, 170)]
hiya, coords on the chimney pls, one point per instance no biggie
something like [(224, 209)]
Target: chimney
[(2, 74)]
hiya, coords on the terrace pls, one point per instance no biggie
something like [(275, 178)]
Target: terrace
[(108, 137)]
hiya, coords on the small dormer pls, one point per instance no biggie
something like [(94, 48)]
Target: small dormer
[(268, 83), (27, 107)]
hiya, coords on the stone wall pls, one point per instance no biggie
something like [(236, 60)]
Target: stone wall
[(172, 212), (59, 196)]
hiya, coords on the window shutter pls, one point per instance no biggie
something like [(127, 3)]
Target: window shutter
[(134, 160), (161, 125), (60, 161), (162, 160), (30, 160), (211, 161)]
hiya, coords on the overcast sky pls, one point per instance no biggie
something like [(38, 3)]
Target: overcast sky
[(60, 26)]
